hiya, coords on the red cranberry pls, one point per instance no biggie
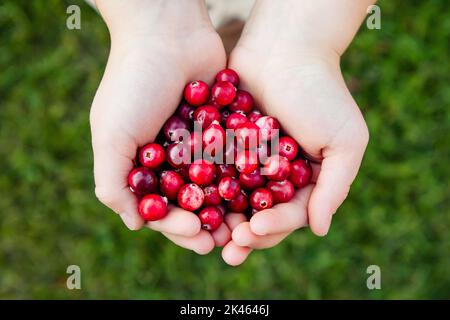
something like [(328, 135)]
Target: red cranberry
[(196, 93), (228, 75), (235, 120), (211, 218), (261, 199), (152, 207), (142, 180), (174, 128), (178, 154), (253, 180), (202, 172), (185, 110), (212, 196), (205, 115), (238, 204), (269, 127), (246, 161), (254, 115), (243, 102), (229, 188), (214, 136), (224, 114), (223, 92), (247, 135), (214, 103), (225, 170), (277, 168), (190, 197), (152, 155), (301, 173), (288, 148), (282, 191), (170, 183)]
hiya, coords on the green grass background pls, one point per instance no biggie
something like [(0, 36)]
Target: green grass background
[(397, 215)]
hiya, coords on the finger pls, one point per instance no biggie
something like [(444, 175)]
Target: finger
[(244, 237), (283, 217), (222, 235), (178, 222), (333, 185), (234, 219), (202, 243), (235, 255), (315, 171)]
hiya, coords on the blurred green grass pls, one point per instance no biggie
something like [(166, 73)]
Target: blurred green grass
[(397, 215)]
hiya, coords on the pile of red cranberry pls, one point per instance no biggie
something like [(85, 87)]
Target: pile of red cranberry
[(217, 154)]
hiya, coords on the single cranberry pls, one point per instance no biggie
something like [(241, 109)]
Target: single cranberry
[(269, 127), (152, 207), (142, 181), (190, 197), (247, 135), (238, 204), (175, 128), (205, 115), (152, 155), (228, 75), (222, 209), (178, 154), (254, 115), (196, 93), (214, 136), (223, 92), (211, 218), (225, 170), (243, 102), (246, 161), (277, 168), (185, 110), (288, 148), (261, 199), (183, 170), (282, 191), (212, 196), (202, 172), (253, 180), (301, 173), (224, 114), (170, 183), (235, 120), (229, 188)]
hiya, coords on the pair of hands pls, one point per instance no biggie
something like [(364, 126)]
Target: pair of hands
[(159, 46)]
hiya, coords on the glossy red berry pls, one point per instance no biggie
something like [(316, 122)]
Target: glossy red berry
[(202, 172), (212, 196), (229, 188), (152, 207), (223, 92), (152, 155), (175, 127), (178, 154), (196, 93), (235, 120), (211, 218), (277, 168), (170, 183), (246, 161), (288, 148), (269, 127), (301, 173), (228, 75), (243, 102), (253, 180), (190, 197), (254, 115), (185, 111), (261, 199), (247, 135), (238, 204), (225, 170), (282, 191), (214, 136), (206, 114), (142, 181)]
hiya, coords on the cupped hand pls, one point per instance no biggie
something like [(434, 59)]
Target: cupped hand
[(148, 67)]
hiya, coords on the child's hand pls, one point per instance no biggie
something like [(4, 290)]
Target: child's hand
[(157, 47), (300, 83)]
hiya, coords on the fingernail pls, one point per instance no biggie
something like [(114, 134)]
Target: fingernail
[(128, 220)]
